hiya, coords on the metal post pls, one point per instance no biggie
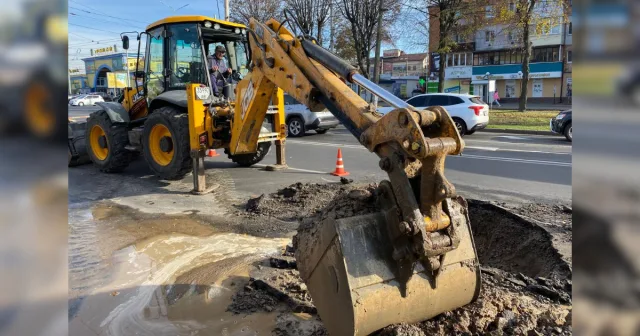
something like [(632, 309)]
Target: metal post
[(128, 73), (226, 10)]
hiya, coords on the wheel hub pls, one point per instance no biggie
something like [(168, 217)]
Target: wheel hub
[(102, 141), (166, 145)]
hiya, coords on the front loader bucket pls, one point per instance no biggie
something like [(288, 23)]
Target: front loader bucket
[(349, 272)]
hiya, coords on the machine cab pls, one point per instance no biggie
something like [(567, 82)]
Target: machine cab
[(179, 51)]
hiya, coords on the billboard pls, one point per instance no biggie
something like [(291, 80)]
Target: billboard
[(116, 80), (434, 62)]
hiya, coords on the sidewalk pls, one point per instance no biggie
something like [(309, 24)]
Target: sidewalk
[(533, 106)]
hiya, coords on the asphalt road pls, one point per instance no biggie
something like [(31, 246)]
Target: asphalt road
[(493, 166)]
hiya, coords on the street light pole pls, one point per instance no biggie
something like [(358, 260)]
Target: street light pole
[(226, 10), (488, 75)]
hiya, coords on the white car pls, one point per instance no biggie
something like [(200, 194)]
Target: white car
[(90, 100), (300, 119), (468, 112)]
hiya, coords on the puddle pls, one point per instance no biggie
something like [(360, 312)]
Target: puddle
[(168, 284)]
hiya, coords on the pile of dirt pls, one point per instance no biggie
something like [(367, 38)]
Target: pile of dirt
[(526, 281), (501, 309), (249, 300), (514, 243), (295, 202)]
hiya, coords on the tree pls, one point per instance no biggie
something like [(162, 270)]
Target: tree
[(527, 19), (262, 10), (362, 17), (310, 15), (454, 18), (344, 46)]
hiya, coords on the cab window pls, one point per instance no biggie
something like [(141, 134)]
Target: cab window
[(185, 56)]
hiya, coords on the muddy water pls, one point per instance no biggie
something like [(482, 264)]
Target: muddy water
[(171, 283)]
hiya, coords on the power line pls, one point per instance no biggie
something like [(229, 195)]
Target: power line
[(108, 31), (95, 11), (103, 20), (86, 38)]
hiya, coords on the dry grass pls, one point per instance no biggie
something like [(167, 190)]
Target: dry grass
[(512, 119)]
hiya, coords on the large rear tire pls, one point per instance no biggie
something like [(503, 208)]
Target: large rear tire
[(166, 143), (248, 160), (106, 142)]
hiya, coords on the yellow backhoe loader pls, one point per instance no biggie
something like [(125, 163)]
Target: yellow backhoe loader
[(411, 261)]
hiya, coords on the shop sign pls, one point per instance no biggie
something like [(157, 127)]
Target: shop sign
[(103, 51), (553, 74), (452, 89), (457, 72)]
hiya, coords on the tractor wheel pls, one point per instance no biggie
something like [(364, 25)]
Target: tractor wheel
[(106, 142), (42, 112), (248, 160), (166, 143)]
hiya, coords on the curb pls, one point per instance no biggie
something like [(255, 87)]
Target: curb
[(514, 131)]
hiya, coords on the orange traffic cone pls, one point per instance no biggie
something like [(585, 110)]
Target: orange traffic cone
[(212, 153), (340, 166)]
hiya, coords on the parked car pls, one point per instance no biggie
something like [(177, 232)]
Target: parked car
[(468, 112), (562, 124), (107, 97), (300, 119), (90, 99)]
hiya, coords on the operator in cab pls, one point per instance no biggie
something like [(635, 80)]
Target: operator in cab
[(219, 71)]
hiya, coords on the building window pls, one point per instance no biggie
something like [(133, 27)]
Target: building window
[(489, 36), (512, 6), (488, 12), (570, 28), (569, 56)]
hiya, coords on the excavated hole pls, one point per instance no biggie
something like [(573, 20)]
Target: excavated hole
[(505, 241)]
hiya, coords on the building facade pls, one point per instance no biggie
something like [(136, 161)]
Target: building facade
[(108, 73), (78, 83), (494, 53)]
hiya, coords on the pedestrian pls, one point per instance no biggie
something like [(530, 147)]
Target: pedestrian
[(496, 98), (219, 70)]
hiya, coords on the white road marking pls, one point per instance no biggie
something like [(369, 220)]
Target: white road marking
[(491, 149), (469, 156), (513, 137), (494, 158), (296, 169)]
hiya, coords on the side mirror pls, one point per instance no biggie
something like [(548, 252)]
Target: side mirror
[(125, 42)]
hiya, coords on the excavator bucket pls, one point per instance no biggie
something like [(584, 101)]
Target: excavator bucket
[(348, 267)]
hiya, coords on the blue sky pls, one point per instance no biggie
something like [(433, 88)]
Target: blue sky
[(98, 23), (103, 21)]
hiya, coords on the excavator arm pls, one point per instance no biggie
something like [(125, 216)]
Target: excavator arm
[(422, 219)]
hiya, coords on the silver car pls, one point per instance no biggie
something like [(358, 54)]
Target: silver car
[(89, 100), (300, 119)]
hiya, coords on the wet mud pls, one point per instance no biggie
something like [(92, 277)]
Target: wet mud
[(198, 274)]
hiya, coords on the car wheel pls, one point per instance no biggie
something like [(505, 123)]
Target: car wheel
[(296, 128), (568, 132), (461, 126), (80, 104), (322, 131)]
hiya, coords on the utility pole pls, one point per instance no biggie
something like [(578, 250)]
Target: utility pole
[(331, 28), (376, 67), (226, 10)]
